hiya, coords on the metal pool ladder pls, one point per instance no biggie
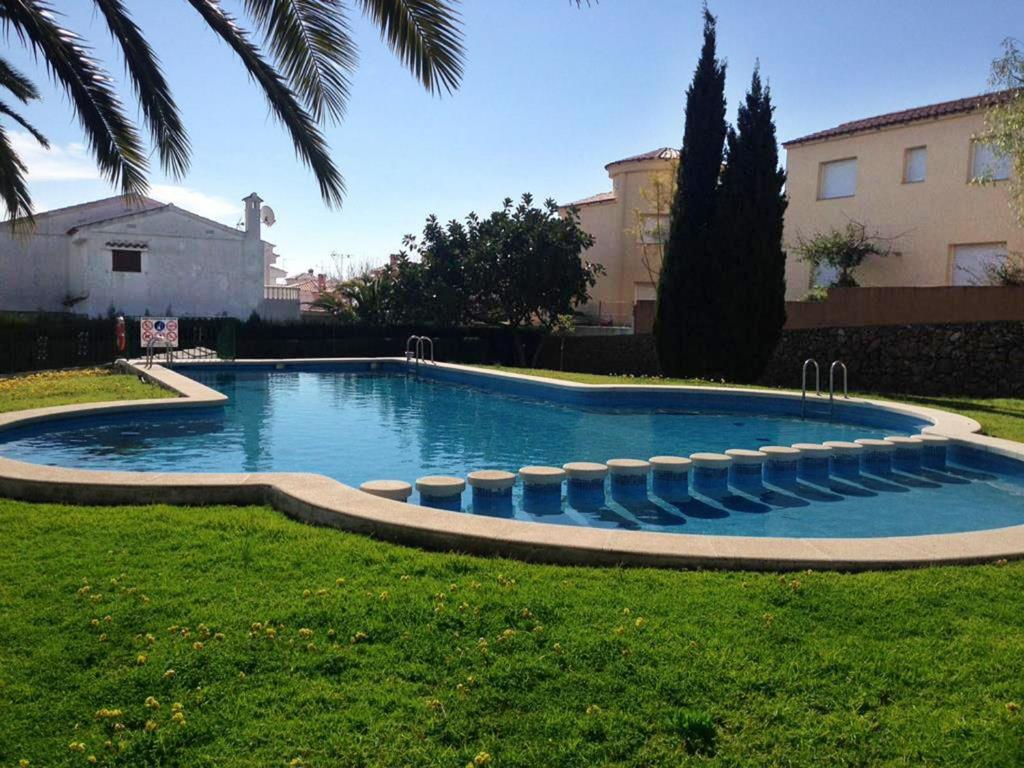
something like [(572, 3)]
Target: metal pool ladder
[(150, 351), (415, 349), (831, 385), (817, 384)]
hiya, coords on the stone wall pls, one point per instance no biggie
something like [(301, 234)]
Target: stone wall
[(979, 359)]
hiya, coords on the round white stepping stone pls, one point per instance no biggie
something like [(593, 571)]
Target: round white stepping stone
[(396, 490)]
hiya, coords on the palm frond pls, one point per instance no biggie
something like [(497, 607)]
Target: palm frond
[(306, 137), (158, 107), (313, 48), (5, 110), (13, 187), (426, 35), (18, 84), (111, 136)]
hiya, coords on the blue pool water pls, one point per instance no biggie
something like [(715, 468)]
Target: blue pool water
[(357, 426)]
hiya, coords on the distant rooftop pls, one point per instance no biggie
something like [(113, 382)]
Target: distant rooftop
[(662, 153), (928, 112)]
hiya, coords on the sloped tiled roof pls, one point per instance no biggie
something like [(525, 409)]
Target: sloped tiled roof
[(600, 197), (927, 112), (661, 153)]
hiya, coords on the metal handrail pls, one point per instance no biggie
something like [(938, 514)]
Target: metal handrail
[(831, 384), (149, 348), (415, 349), (817, 384), (422, 348)]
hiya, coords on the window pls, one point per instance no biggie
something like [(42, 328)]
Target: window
[(914, 161), (645, 292), (837, 179), (655, 228), (988, 163), (973, 262), (126, 261)]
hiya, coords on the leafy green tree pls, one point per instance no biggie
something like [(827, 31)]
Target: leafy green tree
[(443, 284), (748, 231), (688, 314), (307, 82), (527, 266), (1005, 122)]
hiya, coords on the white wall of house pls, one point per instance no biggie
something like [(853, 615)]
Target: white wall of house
[(189, 265)]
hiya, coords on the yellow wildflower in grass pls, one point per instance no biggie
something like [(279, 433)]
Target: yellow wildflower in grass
[(384, 596), (557, 647), (197, 646), (593, 709), (108, 714), (339, 582), (434, 704), (359, 637), (178, 718), (169, 674), (94, 623), (83, 591), (526, 613), (307, 593), (305, 632), (91, 759), (177, 706), (203, 631), (404, 577), (619, 630), (150, 726), (218, 636), (508, 634), (23, 763), (152, 703), (141, 659), (150, 640), (103, 637), (108, 618), (483, 758), (640, 622), (321, 592), (311, 647), (1012, 707), (626, 611), (295, 762), (330, 633), (76, 746), (271, 633), (256, 627)]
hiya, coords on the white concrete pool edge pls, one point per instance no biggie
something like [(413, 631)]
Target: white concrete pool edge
[(320, 500)]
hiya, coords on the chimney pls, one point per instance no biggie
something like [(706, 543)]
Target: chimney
[(252, 216), (321, 283)]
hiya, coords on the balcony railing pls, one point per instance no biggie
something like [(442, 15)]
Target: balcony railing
[(281, 292)]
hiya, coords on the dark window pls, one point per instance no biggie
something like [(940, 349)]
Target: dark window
[(127, 261)]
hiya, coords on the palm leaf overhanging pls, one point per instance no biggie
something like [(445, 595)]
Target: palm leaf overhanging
[(313, 57)]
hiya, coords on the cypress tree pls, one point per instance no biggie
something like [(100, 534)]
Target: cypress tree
[(687, 309), (748, 226)]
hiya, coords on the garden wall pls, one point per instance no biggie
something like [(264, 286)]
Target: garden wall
[(981, 359)]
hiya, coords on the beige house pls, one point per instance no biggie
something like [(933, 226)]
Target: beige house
[(911, 177), (629, 226)]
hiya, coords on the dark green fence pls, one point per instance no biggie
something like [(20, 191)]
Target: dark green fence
[(33, 343)]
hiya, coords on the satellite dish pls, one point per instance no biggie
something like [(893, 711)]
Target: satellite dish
[(267, 215)]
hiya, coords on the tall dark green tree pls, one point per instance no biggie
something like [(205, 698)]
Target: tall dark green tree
[(687, 310), (748, 231)]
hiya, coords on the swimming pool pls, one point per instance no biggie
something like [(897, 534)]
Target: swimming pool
[(361, 421)]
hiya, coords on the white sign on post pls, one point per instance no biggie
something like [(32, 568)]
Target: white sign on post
[(159, 331)]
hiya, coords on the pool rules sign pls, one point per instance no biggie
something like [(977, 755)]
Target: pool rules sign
[(159, 331)]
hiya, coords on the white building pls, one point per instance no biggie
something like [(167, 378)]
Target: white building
[(141, 256)]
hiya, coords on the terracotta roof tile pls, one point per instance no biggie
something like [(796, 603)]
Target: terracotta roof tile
[(600, 197), (661, 153), (928, 112)]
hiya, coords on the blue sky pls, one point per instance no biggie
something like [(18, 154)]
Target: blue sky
[(551, 94)]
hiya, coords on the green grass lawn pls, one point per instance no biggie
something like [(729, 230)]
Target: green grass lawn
[(226, 636), (91, 385)]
